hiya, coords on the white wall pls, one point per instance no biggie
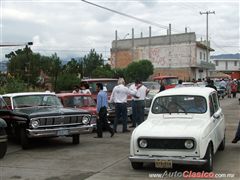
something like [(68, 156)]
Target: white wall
[(230, 65), (165, 56)]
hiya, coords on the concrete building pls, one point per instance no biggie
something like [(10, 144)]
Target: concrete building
[(177, 54), (228, 66)]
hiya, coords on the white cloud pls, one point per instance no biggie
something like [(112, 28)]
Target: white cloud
[(65, 25)]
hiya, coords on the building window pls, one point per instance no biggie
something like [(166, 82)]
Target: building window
[(200, 55), (226, 65), (235, 63), (204, 56), (216, 63)]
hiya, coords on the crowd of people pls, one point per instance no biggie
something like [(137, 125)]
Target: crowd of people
[(138, 92)]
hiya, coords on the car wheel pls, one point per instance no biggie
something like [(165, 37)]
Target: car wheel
[(25, 141), (3, 145), (137, 165), (209, 157), (76, 139), (222, 145)]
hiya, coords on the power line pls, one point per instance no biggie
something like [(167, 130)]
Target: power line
[(126, 15)]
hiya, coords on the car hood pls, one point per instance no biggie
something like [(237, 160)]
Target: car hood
[(49, 111), (171, 127), (92, 110)]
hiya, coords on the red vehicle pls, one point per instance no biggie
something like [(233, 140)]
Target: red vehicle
[(168, 81), (81, 101)]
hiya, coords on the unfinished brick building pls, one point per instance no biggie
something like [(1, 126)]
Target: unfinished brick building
[(177, 54)]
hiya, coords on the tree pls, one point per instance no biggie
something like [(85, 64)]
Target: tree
[(73, 66), (139, 70), (103, 71), (66, 82), (91, 62)]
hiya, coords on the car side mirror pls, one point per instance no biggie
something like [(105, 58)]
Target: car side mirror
[(216, 115)]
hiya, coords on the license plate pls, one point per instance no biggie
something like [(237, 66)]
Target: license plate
[(163, 163), (63, 132)]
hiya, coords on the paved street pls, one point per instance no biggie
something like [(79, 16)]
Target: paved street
[(106, 159)]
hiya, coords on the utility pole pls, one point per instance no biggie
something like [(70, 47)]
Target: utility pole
[(207, 12)]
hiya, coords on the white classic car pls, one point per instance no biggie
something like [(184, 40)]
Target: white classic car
[(184, 126)]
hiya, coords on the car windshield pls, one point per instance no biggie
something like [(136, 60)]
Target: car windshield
[(170, 81), (79, 101), (35, 100), (179, 104), (108, 84)]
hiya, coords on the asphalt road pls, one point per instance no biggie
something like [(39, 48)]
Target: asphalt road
[(106, 158)]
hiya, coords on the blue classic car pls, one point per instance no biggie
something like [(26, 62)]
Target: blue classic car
[(41, 114)]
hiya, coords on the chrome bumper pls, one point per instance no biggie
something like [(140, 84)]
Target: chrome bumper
[(175, 160), (3, 138), (60, 131)]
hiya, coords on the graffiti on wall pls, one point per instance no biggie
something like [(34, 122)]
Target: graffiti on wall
[(180, 55)]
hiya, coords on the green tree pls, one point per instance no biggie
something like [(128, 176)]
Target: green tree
[(66, 82), (73, 66), (91, 62), (104, 71), (139, 70), (13, 85)]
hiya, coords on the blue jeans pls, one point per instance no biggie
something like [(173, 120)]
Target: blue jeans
[(140, 106), (121, 112)]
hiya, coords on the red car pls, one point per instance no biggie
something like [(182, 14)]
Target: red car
[(168, 81), (81, 101)]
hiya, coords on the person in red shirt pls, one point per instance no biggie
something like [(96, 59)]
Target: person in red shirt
[(234, 89)]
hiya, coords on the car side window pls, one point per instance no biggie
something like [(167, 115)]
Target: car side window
[(215, 102), (211, 106)]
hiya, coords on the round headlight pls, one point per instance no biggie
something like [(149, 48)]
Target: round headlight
[(189, 144), (85, 119), (143, 143), (34, 123)]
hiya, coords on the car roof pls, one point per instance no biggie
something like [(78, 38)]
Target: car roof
[(196, 91), (72, 94), (27, 94)]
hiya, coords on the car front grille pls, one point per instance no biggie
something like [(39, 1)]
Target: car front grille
[(59, 120), (166, 143)]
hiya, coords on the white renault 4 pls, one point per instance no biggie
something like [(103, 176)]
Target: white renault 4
[(184, 126)]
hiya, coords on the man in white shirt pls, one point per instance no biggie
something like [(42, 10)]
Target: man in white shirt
[(133, 90), (142, 92), (119, 97)]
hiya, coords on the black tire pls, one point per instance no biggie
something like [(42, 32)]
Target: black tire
[(25, 141), (3, 145), (76, 139), (209, 157), (137, 165), (222, 145)]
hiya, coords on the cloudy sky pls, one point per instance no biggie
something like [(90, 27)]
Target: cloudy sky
[(72, 27)]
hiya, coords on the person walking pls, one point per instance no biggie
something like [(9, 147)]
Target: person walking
[(119, 97), (102, 104), (234, 88)]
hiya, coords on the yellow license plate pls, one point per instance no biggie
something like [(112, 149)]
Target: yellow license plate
[(163, 163)]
